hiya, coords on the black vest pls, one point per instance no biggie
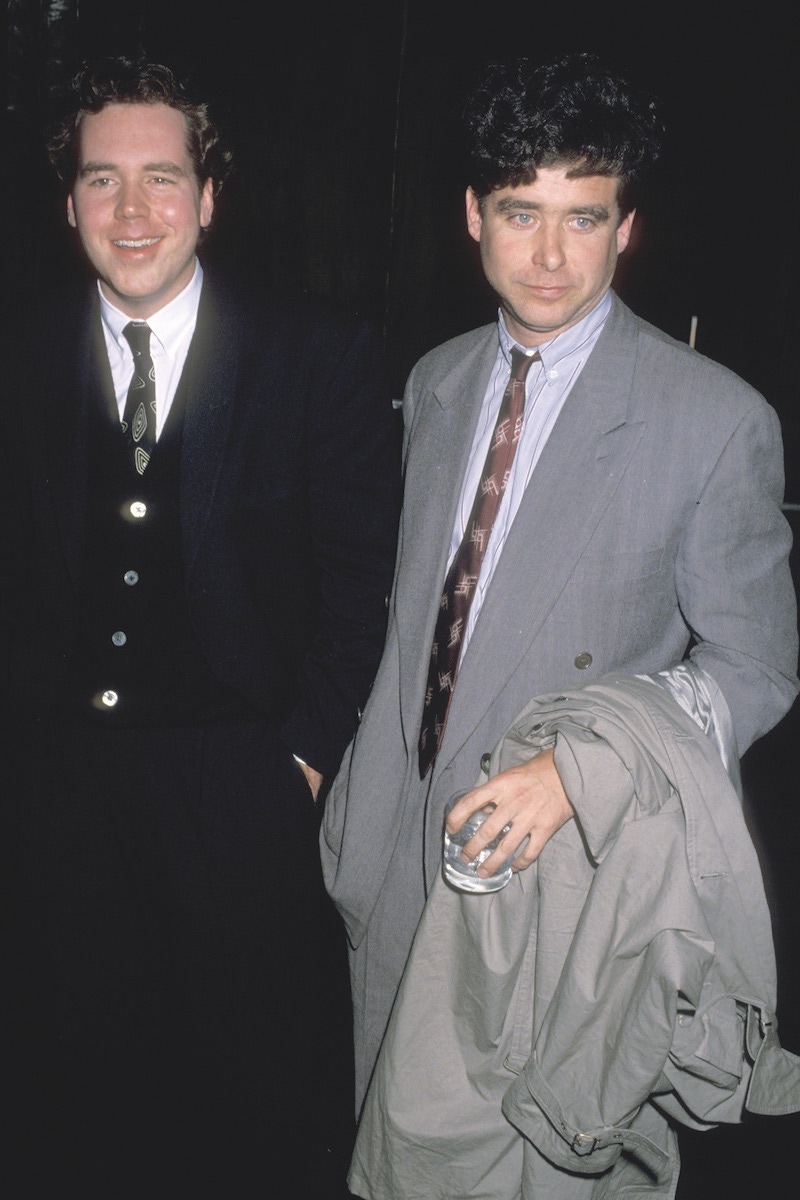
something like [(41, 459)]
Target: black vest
[(137, 661)]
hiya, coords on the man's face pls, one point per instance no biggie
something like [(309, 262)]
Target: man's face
[(136, 204), (549, 248)]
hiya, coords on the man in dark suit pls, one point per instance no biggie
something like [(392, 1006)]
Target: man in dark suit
[(198, 521)]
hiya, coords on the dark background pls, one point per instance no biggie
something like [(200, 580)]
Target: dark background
[(344, 119)]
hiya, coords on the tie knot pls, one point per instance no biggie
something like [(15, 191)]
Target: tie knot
[(137, 335), (521, 363)]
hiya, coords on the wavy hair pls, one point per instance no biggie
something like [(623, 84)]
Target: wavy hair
[(123, 80), (569, 111)]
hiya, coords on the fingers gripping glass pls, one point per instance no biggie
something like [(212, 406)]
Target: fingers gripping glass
[(463, 875)]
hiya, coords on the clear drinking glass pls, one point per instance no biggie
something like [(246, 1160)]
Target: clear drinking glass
[(462, 875)]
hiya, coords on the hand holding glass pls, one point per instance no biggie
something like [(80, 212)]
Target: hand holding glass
[(463, 875)]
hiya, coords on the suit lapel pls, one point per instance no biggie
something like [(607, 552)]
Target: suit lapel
[(78, 381), (207, 389), (443, 429)]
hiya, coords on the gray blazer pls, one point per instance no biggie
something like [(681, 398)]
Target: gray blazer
[(651, 529)]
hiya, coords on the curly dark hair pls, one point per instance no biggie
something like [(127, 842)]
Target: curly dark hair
[(124, 80), (569, 110)]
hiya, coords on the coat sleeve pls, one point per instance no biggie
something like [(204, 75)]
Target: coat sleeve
[(353, 464), (733, 579)]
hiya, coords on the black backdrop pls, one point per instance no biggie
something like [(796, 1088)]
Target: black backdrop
[(344, 119)]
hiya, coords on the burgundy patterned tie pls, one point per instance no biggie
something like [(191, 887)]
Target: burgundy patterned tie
[(462, 578), (139, 418)]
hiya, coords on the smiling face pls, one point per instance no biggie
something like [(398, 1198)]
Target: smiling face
[(549, 248), (137, 205)]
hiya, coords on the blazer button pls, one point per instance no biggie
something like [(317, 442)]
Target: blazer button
[(485, 761), (583, 660)]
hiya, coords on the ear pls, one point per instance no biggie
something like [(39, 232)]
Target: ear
[(71, 212), (474, 215), (206, 203), (624, 230)]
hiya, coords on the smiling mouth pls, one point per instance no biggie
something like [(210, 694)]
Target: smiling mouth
[(135, 243)]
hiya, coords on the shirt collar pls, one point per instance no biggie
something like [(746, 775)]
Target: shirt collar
[(563, 344), (169, 325)]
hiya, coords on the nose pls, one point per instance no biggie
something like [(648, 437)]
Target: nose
[(548, 251), (131, 202)]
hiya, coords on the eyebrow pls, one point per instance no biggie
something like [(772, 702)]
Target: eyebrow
[(514, 204), (163, 168)]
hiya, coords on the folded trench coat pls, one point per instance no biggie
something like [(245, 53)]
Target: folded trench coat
[(547, 1037)]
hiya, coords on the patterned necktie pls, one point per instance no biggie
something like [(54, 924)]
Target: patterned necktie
[(139, 418), (462, 578)]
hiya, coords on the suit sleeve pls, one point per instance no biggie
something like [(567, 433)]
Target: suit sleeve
[(353, 464), (734, 582)]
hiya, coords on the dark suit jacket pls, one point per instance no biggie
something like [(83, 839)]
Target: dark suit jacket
[(289, 481)]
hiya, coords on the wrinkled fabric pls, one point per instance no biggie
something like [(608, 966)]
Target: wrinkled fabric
[(545, 1036), (699, 696)]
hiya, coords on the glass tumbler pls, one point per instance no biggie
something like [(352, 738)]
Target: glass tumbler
[(462, 875)]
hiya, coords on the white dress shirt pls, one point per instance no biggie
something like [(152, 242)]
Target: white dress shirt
[(171, 332)]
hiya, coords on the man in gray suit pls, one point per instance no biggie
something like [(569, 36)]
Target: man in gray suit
[(639, 521)]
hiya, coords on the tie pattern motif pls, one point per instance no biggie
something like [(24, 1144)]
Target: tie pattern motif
[(139, 418), (462, 578)]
